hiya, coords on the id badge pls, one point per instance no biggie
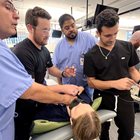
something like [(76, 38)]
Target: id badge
[(82, 60)]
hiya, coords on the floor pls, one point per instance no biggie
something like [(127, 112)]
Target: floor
[(113, 130)]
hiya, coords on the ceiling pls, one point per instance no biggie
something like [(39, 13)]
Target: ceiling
[(78, 9)]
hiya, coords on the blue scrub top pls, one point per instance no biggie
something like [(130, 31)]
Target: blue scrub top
[(73, 55), (14, 81)]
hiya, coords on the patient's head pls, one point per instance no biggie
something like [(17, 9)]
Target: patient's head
[(85, 122)]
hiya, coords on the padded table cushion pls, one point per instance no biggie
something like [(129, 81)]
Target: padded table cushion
[(65, 133), (41, 126)]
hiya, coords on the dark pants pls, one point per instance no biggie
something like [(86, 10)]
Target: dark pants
[(125, 115), (25, 112)]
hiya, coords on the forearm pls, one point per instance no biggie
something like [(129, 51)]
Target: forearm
[(55, 72), (67, 72), (135, 74), (59, 80), (101, 85), (57, 88), (43, 94), (120, 84)]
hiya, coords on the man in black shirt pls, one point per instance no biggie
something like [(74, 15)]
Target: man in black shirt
[(36, 59), (110, 68)]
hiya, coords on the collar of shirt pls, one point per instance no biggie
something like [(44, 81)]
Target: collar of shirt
[(75, 102)]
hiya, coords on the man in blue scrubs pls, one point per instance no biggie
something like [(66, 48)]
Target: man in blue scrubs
[(14, 80), (70, 51)]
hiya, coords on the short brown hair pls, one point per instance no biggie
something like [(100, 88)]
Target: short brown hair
[(86, 127), (33, 14)]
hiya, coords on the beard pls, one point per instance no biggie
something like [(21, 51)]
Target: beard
[(72, 36), (38, 41)]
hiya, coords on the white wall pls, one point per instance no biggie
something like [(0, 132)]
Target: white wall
[(124, 34)]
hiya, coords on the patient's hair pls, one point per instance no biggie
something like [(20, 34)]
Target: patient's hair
[(86, 127)]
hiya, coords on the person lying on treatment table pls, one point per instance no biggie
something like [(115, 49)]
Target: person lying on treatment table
[(84, 119)]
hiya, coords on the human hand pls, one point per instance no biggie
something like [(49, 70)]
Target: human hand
[(67, 99), (70, 71), (81, 89), (72, 89), (124, 84)]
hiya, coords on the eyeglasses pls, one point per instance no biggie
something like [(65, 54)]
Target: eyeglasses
[(44, 31), (9, 6)]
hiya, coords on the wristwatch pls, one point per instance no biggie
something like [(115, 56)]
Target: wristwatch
[(63, 74)]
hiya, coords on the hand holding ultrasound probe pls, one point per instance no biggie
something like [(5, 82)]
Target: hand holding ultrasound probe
[(135, 92)]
